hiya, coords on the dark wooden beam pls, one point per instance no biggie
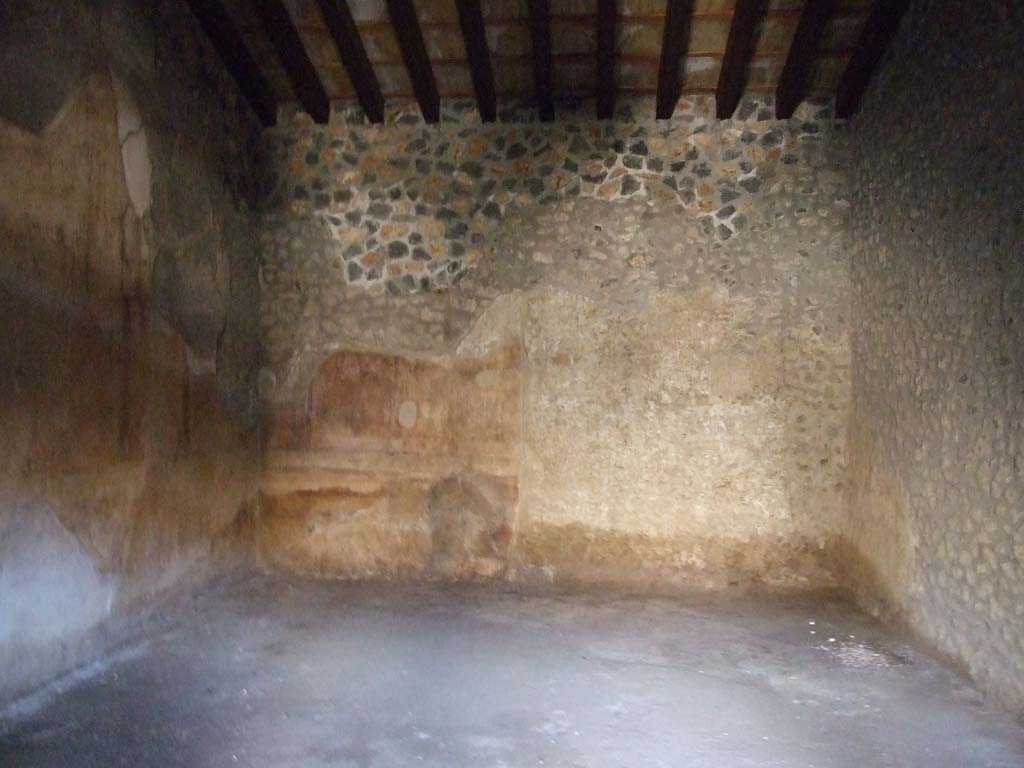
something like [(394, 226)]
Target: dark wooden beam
[(277, 26), (236, 57), (793, 80), (607, 14), (673, 47), (540, 42), (878, 32), (414, 54), (736, 58), (342, 28), (471, 19)]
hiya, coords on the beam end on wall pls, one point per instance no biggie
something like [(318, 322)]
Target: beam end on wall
[(231, 48), (606, 22), (278, 27), (343, 30), (736, 58), (540, 42), (874, 41), (414, 54), (673, 48), (793, 81), (472, 22)]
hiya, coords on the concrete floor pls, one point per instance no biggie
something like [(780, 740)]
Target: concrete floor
[(284, 672)]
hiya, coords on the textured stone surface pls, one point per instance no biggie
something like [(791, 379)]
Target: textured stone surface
[(130, 320), (682, 394), (937, 505), (411, 205)]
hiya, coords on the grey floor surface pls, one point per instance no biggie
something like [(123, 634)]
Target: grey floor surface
[(270, 671)]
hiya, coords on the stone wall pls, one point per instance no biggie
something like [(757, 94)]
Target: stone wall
[(129, 307), (582, 352), (937, 492)]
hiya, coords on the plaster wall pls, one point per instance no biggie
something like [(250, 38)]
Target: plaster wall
[(129, 308), (937, 434), (590, 353)]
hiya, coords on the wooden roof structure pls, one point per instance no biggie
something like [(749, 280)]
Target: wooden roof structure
[(315, 52)]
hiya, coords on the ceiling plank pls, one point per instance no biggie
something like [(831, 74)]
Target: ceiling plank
[(540, 42), (342, 28), (414, 53), (236, 57), (673, 47), (638, 59), (607, 15), (736, 58), (793, 80), (472, 21), (278, 27), (878, 32)]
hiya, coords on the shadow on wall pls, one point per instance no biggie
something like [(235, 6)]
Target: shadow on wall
[(125, 396), (878, 551), (120, 465), (936, 244)]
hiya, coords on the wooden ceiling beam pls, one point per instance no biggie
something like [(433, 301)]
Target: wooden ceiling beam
[(587, 20), (793, 81), (736, 58), (625, 90), (673, 47), (629, 58), (278, 27), (874, 41), (414, 53), (343, 30), (540, 43), (607, 16), (471, 19), (230, 46)]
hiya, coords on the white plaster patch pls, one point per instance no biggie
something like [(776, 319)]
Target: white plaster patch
[(199, 365), (407, 413), (266, 382), (138, 170), (487, 378), (129, 120), (500, 323)]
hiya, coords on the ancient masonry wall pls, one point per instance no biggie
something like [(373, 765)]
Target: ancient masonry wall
[(582, 352), (129, 302), (937, 493)]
